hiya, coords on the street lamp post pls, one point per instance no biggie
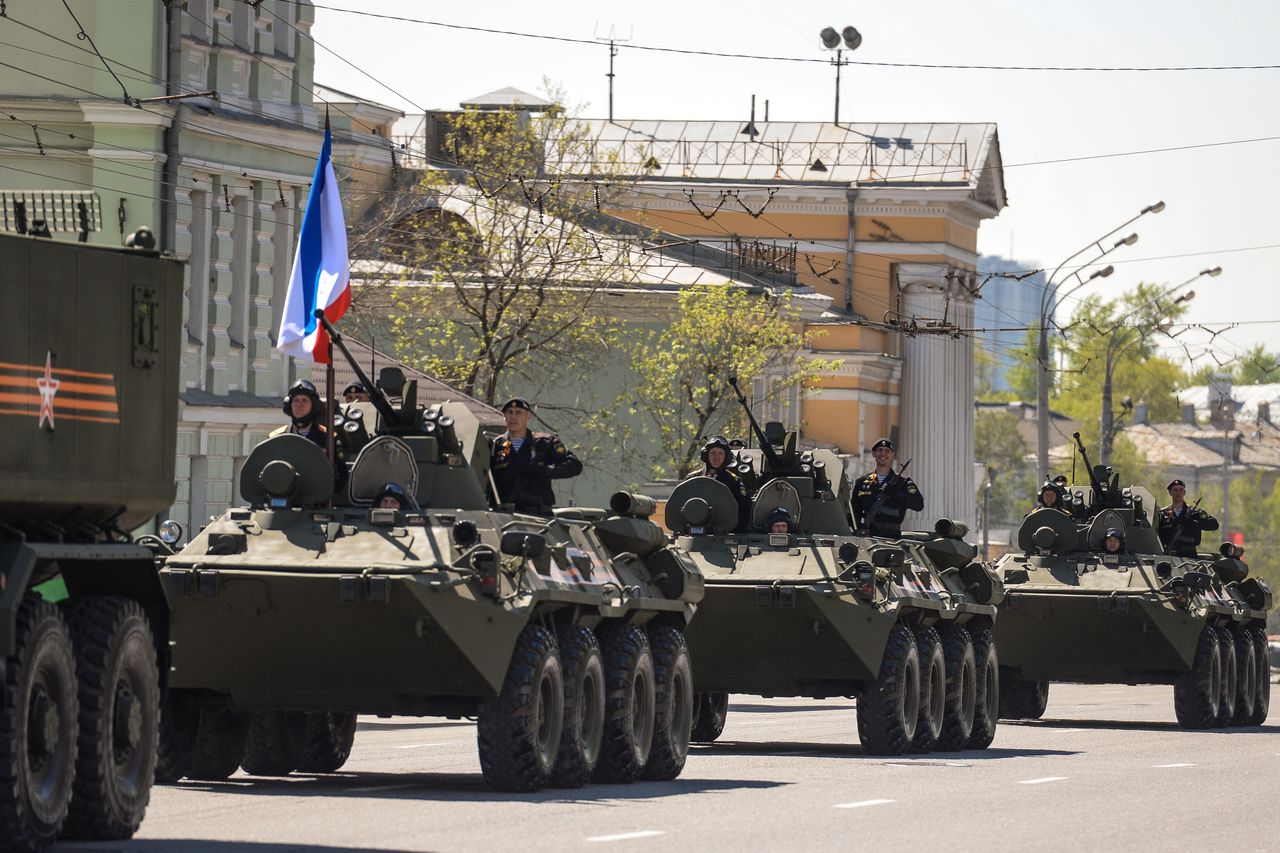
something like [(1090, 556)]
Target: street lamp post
[(1042, 374), (831, 40)]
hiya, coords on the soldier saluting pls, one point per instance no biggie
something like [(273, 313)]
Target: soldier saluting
[(882, 497), (523, 463), (1179, 525)]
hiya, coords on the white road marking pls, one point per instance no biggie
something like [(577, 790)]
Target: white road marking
[(861, 804), (1042, 780), (625, 836), (416, 745), (376, 788), (1173, 765), (1067, 731)]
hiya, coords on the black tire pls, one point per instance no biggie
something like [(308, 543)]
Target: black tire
[(583, 733), (629, 704), (327, 740), (673, 703), (962, 689), (1021, 698), (933, 690), (1198, 690), (220, 741), (1227, 701), (710, 711), (986, 706), (889, 706), (275, 743), (39, 710), (518, 732), (119, 717), (1246, 676), (179, 723), (1262, 696)]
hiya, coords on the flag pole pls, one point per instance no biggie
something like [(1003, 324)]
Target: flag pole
[(329, 408)]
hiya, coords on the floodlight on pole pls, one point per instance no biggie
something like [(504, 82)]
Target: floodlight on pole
[(831, 40)]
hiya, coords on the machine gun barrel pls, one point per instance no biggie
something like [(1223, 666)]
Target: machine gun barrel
[(1098, 488), (380, 402), (765, 446)]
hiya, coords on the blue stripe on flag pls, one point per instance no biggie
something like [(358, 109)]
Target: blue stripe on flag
[(310, 242)]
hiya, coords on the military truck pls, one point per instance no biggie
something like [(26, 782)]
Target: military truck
[(903, 625), (563, 636), (1073, 612), (88, 409)]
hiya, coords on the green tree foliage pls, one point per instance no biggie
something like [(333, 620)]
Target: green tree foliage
[(1254, 367), (680, 390), (1000, 447), (1023, 374), (1255, 512)]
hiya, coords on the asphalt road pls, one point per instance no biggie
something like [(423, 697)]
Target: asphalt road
[(1107, 769)]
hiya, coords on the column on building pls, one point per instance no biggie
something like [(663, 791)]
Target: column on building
[(937, 391)]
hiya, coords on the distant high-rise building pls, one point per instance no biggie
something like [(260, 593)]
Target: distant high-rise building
[(1006, 303)]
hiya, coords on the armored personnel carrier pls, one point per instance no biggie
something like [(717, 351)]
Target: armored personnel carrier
[(1074, 612), (563, 636), (903, 625), (88, 414)]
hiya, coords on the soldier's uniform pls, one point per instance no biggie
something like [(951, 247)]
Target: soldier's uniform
[(315, 432), (902, 494), (729, 478), (523, 475), (1179, 528)]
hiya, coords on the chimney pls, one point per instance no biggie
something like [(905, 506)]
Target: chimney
[(1140, 412), (1264, 412), (1188, 413)]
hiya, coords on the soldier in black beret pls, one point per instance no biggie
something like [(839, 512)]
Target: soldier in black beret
[(882, 497), (1179, 526), (524, 463)]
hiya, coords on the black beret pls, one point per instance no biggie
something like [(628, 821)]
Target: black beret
[(517, 403), (884, 442), (1175, 483)]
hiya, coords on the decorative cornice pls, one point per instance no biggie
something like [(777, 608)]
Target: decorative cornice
[(118, 114)]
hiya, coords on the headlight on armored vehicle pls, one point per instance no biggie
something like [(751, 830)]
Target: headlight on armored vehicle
[(170, 532)]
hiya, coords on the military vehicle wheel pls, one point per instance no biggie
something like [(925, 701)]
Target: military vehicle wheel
[(583, 707), (889, 707), (327, 740), (710, 711), (275, 743), (1246, 676), (1262, 697), (629, 704), (220, 740), (1227, 700), (119, 717), (519, 731), (1022, 699), (933, 690), (986, 706), (962, 690), (673, 703), (1197, 691), (176, 743), (38, 715)]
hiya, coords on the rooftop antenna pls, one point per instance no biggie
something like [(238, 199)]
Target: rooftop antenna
[(612, 38)]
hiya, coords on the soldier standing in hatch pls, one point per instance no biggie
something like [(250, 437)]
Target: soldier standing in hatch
[(716, 456), (1179, 525), (302, 405), (882, 497), (523, 463)]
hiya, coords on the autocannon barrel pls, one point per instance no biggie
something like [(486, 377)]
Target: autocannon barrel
[(632, 505)]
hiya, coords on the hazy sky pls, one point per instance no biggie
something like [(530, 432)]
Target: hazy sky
[(1221, 200)]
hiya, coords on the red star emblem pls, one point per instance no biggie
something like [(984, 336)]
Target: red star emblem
[(48, 387)]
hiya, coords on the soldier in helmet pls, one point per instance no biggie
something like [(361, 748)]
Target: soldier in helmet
[(882, 497), (716, 455), (391, 496), (1113, 542), (524, 463), (779, 521), (1049, 497), (302, 405), (1179, 526)]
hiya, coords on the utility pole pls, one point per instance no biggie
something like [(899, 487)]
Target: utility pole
[(1225, 412), (612, 39)]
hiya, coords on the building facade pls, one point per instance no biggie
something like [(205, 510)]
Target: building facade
[(1008, 303)]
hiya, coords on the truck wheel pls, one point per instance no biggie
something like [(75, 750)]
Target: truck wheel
[(220, 740), (119, 717), (1021, 698), (986, 706), (1262, 696), (629, 704), (673, 703), (1197, 691), (1227, 700), (583, 707), (39, 709), (933, 690), (177, 741), (327, 741), (275, 743), (962, 690), (519, 731), (1246, 676), (710, 710), (889, 707)]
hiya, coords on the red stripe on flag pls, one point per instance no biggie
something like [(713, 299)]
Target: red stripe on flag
[(333, 314)]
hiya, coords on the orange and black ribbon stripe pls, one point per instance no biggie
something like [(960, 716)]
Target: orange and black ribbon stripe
[(81, 396)]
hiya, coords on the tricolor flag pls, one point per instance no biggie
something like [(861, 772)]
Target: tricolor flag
[(321, 277)]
